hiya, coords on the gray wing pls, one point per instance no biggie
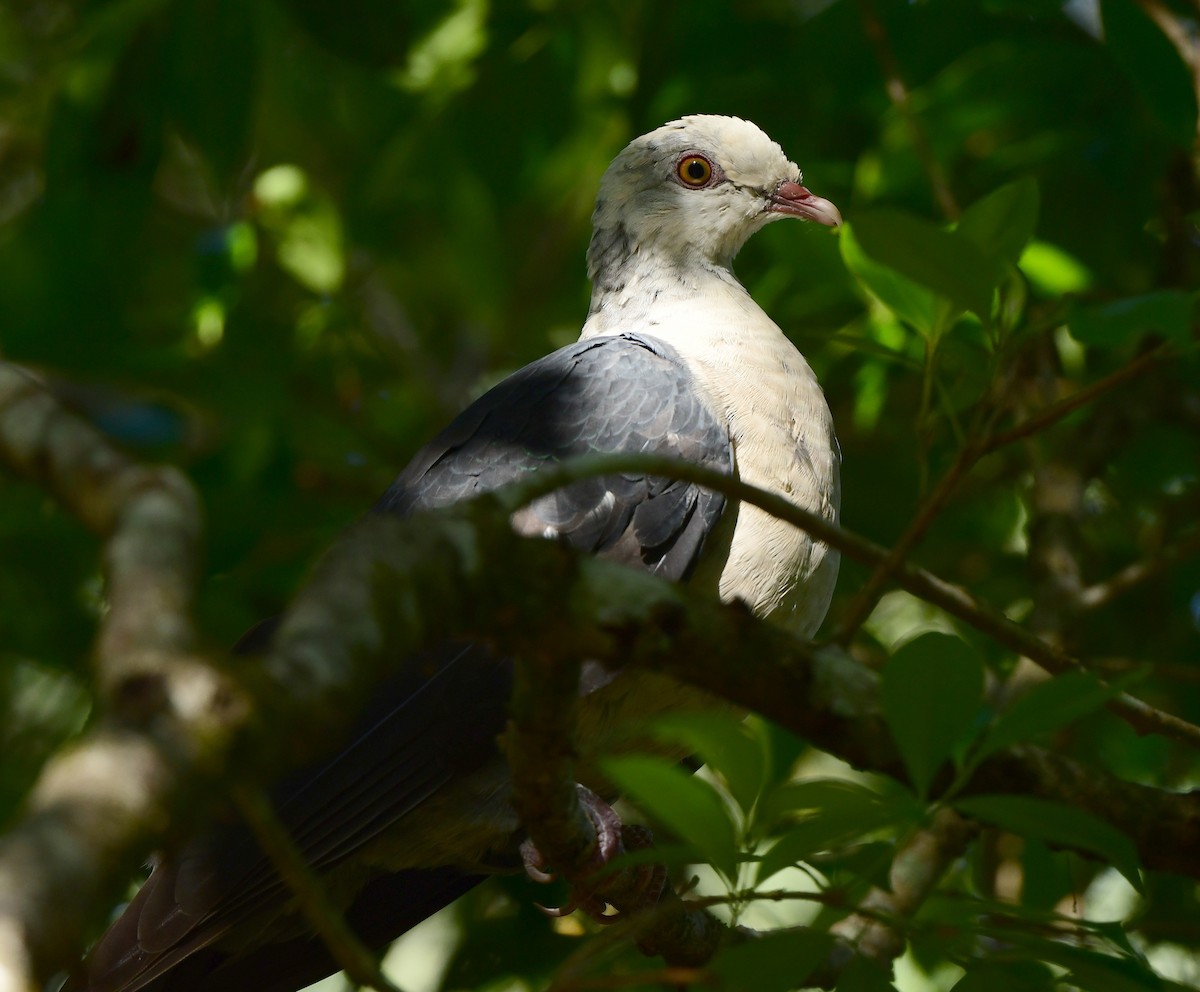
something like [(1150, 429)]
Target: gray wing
[(421, 731), (614, 394)]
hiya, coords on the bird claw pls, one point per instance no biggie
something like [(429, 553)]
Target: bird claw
[(612, 838), (593, 906)]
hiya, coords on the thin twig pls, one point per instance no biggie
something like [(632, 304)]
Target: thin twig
[(916, 870), (351, 955), (864, 602), (897, 92), (1103, 593), (1069, 404)]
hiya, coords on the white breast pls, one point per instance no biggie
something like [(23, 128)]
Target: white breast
[(783, 441)]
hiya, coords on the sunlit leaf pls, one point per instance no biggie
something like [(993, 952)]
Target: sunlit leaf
[(1052, 270), (1002, 223), (728, 745), (943, 261), (306, 226), (831, 813), (441, 62)]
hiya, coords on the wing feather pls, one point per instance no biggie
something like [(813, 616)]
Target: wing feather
[(623, 393)]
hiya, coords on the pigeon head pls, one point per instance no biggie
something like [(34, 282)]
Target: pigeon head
[(693, 191)]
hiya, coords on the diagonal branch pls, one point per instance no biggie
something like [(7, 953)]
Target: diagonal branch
[(1103, 593), (875, 929), (955, 600), (338, 637), (622, 617)]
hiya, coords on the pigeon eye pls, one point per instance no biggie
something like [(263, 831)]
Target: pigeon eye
[(694, 171)]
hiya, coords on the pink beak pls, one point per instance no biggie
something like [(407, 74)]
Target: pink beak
[(796, 201)]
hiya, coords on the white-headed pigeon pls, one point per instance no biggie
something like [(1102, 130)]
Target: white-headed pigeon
[(675, 358)]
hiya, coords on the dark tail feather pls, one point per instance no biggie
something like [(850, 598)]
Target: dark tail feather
[(386, 908)]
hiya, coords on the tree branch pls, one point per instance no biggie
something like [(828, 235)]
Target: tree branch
[(148, 516), (540, 745), (340, 634), (875, 929), (99, 803), (955, 600), (623, 617)]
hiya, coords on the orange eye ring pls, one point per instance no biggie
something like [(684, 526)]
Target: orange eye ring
[(694, 171)]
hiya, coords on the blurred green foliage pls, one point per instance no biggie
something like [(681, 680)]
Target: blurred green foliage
[(280, 243)]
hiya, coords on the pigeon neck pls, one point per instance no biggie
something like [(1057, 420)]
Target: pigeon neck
[(630, 276)]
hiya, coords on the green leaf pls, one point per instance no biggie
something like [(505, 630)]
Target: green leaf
[(913, 304), (1058, 824), (1046, 707), (306, 225), (822, 796), (727, 744), (833, 813), (374, 33), (1095, 972), (1114, 932), (948, 263), (1013, 296), (688, 806), (1168, 311), (773, 962), (931, 690), (1153, 65), (1053, 271), (862, 975), (1002, 223), (1025, 8), (1028, 976), (1122, 969)]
